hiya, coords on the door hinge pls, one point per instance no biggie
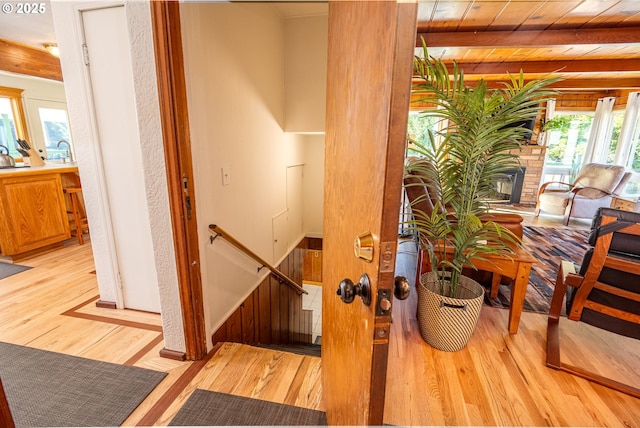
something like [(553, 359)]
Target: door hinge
[(85, 54), (187, 198), (185, 184)]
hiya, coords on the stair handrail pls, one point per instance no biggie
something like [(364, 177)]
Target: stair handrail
[(218, 231)]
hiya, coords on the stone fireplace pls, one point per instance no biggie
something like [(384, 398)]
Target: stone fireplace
[(508, 189), (532, 160)]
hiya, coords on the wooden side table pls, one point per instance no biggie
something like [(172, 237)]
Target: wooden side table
[(625, 204), (516, 266)]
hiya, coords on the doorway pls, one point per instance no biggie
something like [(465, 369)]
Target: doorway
[(107, 44)]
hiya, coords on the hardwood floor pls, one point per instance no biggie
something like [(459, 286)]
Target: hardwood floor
[(499, 379)]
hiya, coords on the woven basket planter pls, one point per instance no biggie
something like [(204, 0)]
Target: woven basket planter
[(447, 323)]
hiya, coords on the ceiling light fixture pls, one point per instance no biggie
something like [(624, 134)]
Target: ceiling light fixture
[(53, 49)]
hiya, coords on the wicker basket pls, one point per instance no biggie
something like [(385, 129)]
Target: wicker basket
[(447, 323)]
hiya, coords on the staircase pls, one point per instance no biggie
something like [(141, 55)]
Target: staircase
[(309, 349)]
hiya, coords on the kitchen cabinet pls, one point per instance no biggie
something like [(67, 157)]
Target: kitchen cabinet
[(33, 212)]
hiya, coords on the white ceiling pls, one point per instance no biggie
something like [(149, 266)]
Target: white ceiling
[(36, 29), (33, 29), (296, 10)]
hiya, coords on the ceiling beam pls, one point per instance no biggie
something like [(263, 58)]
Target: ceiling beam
[(600, 83), (20, 59), (593, 36), (563, 67), (572, 84)]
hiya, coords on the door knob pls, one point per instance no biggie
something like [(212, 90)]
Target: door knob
[(348, 291), (401, 288)]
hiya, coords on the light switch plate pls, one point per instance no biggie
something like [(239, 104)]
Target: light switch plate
[(226, 176)]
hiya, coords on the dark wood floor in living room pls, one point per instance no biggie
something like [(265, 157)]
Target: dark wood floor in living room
[(498, 380)]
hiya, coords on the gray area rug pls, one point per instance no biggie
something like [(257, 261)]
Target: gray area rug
[(208, 408), (8, 269), (48, 389)]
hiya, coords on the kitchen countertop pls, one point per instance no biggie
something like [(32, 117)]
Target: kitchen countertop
[(37, 170)]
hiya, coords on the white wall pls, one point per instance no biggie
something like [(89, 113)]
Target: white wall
[(37, 93), (306, 46), (234, 63), (313, 185), (77, 85)]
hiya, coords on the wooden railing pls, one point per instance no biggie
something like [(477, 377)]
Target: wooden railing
[(284, 279)]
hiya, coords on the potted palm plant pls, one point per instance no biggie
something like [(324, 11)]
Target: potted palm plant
[(461, 161)]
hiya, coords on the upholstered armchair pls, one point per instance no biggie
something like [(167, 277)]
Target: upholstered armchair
[(594, 187)]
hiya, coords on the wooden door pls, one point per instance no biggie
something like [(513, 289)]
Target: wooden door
[(368, 88)]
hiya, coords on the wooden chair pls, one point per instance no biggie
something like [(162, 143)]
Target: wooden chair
[(604, 291), (75, 207)]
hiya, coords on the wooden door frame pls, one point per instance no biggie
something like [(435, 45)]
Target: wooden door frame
[(400, 100), (174, 116)]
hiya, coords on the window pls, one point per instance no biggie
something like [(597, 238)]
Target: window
[(419, 125), (567, 137), (633, 186), (618, 117), (55, 128), (12, 122)]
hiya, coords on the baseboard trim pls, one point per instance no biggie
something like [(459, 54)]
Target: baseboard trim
[(173, 355), (105, 304)]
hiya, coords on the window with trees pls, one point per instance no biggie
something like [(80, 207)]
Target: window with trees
[(567, 137), (12, 119), (419, 125)]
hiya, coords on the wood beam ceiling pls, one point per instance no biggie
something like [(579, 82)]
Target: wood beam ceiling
[(600, 73), (563, 66), (592, 36), (567, 84)]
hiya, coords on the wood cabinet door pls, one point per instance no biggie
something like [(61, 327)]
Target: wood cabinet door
[(370, 61), (312, 267), (34, 213)]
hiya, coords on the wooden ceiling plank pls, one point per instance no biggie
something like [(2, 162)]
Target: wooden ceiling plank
[(533, 38), (499, 55), (519, 54), (514, 14), (426, 9), (583, 13), (624, 13), (20, 59), (480, 15), (547, 14), (447, 15), (584, 52)]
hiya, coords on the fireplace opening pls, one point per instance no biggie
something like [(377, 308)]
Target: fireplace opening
[(508, 188)]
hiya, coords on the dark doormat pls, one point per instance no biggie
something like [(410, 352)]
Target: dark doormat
[(8, 269), (208, 408), (48, 389)]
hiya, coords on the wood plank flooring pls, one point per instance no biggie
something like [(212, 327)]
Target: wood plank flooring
[(498, 380)]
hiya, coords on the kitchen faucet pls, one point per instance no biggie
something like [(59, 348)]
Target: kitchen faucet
[(69, 154)]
